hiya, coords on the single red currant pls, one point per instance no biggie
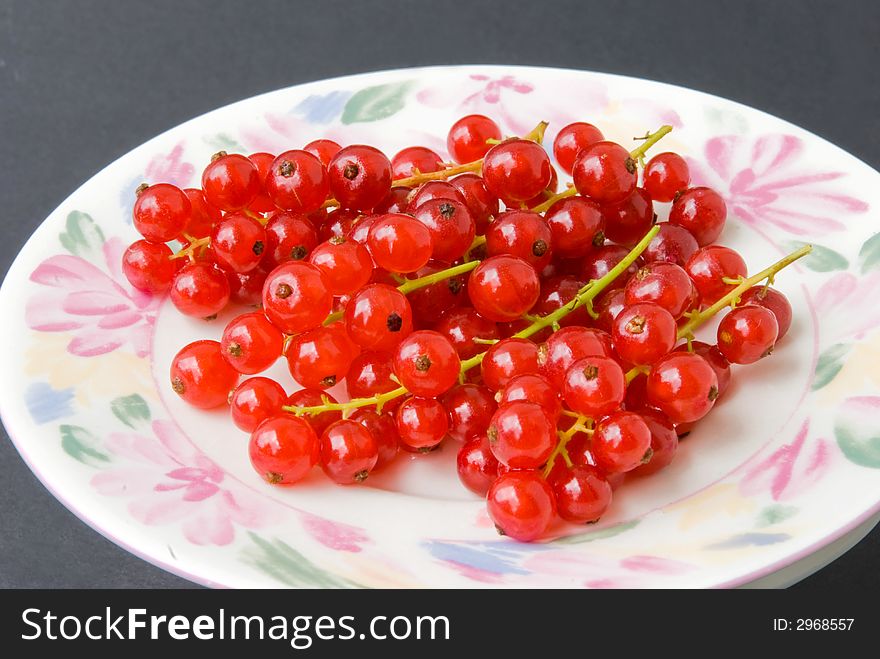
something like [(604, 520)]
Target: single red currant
[(422, 423), (200, 375), (289, 237), (643, 333), (600, 262), (702, 212), (255, 400), (238, 242), (283, 449), (477, 467), (430, 302), (771, 299), (709, 266), (161, 212), (605, 172), (573, 139), (296, 297), (370, 374), (621, 442), (665, 175), (594, 386), (556, 292), (432, 190), (466, 140), (522, 435), (627, 221), (298, 182), (516, 169), (576, 226), (521, 505), (481, 203), (246, 288), (451, 225), (533, 388), (415, 160), (664, 442), (666, 284), (469, 408), (348, 452), (251, 344), (378, 317), (200, 290), (360, 177), (671, 244), (315, 398), (748, 333), (323, 150), (400, 243), (346, 264), (715, 359), (320, 358), (503, 288), (507, 359), (149, 266), (567, 346), (231, 182), (608, 305), (521, 233), (202, 216), (683, 386), (462, 326), (426, 363), (582, 494)]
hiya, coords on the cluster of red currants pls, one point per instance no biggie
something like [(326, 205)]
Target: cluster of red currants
[(400, 277)]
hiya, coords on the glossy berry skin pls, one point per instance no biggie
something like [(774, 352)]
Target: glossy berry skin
[(715, 359), (338, 222), (346, 264), (297, 181), (516, 169), (621, 442), (289, 237), (323, 150), (396, 201), (231, 182), (466, 140), (263, 162), (238, 242), (312, 398), (576, 226), (481, 203), (521, 505), (521, 435), (507, 359), (702, 212), (149, 267), (665, 175), (665, 284), (451, 225), (202, 217), (360, 177), (296, 297), (246, 288), (370, 374), (709, 266), (383, 428), (533, 388), (255, 400), (378, 317), (573, 139), (605, 173), (748, 333), (283, 449), (556, 292), (407, 161), (200, 375), (683, 386), (608, 305), (461, 326), (582, 494), (422, 423), (469, 408), (502, 288), (642, 333), (627, 221), (426, 363), (771, 299), (664, 442), (320, 358), (251, 344), (521, 233), (200, 290), (348, 452), (671, 244), (161, 212), (430, 302), (432, 190), (567, 346), (400, 243), (594, 386), (477, 467), (600, 262)]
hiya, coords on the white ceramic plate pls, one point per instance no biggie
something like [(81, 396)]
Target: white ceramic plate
[(787, 465)]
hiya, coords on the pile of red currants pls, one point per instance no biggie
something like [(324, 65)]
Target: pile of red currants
[(548, 335)]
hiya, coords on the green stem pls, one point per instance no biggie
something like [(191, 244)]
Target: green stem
[(378, 400)]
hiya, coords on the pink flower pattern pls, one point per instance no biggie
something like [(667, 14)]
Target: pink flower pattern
[(765, 184), (170, 482), (102, 310), (836, 300)]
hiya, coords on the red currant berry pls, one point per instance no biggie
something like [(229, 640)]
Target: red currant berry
[(672, 244), (643, 333), (315, 398), (715, 359), (263, 163), (200, 290), (202, 217), (432, 190), (323, 150), (600, 262), (283, 449), (451, 225), (507, 359), (370, 374), (481, 203), (576, 226), (346, 264), (709, 266), (348, 452), (238, 242), (771, 299), (383, 428), (296, 297), (431, 302), (664, 442), (665, 284), (556, 292), (567, 346), (521, 233), (360, 177), (521, 505), (320, 358), (400, 243), (426, 363), (582, 494), (378, 317), (627, 221), (608, 305), (246, 288), (469, 408), (594, 386), (149, 266), (415, 160), (533, 388), (621, 442), (251, 344), (161, 212), (289, 237), (231, 182), (396, 201), (338, 222), (665, 175), (503, 288), (605, 172), (683, 386), (522, 435), (422, 423), (297, 181), (255, 400), (746, 334), (200, 375), (466, 141), (702, 212), (573, 139), (516, 169), (462, 326), (477, 467)]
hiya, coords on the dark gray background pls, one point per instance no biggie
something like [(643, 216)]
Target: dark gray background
[(81, 83)]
